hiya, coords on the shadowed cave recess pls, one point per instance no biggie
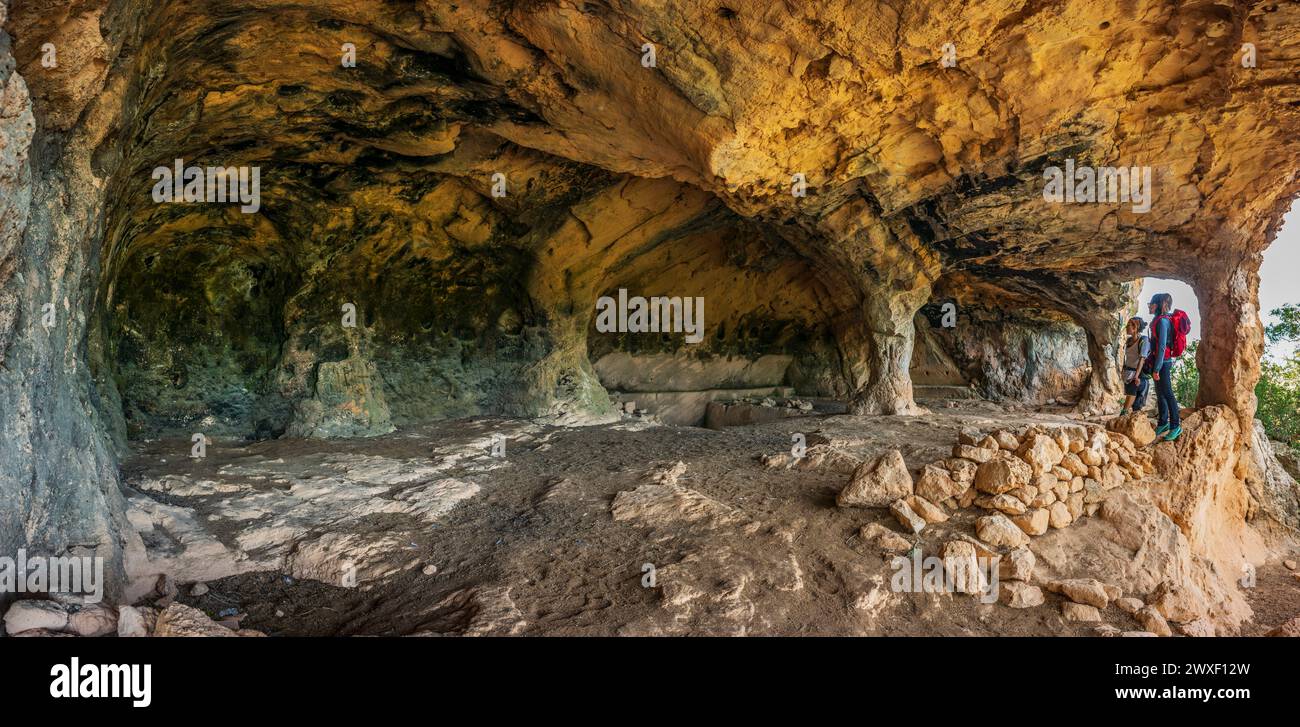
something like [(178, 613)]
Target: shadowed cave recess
[(385, 282)]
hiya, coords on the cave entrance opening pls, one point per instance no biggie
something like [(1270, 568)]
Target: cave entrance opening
[(1185, 368)]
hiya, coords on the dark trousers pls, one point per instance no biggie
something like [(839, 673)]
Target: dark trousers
[(1166, 404), (1144, 388)]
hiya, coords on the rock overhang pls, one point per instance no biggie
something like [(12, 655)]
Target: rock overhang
[(920, 135)]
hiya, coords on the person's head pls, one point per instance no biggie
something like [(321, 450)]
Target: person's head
[(1161, 303), (1135, 325)]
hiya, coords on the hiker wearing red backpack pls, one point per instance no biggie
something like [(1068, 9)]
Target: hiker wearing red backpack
[(1169, 329)]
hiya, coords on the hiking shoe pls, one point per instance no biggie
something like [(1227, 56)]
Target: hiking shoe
[(1162, 429), (1173, 434)]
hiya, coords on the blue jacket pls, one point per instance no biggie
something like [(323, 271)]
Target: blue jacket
[(1162, 340)]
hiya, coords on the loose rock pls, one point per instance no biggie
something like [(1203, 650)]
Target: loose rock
[(1128, 605), (1018, 594), (877, 483), (181, 620), (135, 621), (1088, 591), (999, 475), (1152, 621), (884, 538), (1079, 612), (1033, 522), (906, 516), (998, 531), (93, 620), (31, 614), (1018, 565)]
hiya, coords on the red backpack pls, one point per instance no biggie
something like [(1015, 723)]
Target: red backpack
[(1179, 326)]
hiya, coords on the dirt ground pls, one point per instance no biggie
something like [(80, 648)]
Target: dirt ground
[(535, 551)]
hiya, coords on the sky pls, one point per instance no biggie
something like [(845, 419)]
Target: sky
[(1278, 280)]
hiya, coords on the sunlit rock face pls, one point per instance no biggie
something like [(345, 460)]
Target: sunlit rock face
[(822, 175)]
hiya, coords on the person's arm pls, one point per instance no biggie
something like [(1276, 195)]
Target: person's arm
[(1146, 351), (1162, 340)]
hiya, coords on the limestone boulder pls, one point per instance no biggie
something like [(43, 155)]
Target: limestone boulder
[(937, 484), (1079, 612), (1018, 565), (884, 538), (136, 621), (1081, 590), (877, 483), (1003, 503), (1006, 440), (1129, 605), (1201, 627), (1017, 594), (974, 454), (999, 532), (29, 614), (1153, 621), (1033, 522), (963, 568), (186, 621), (928, 511), (907, 517), (1002, 474), (93, 620), (1136, 427), (962, 471), (1041, 452), (1059, 515)]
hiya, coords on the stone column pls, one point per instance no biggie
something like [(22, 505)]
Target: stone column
[(884, 384), (563, 386), (1104, 389), (1232, 337)]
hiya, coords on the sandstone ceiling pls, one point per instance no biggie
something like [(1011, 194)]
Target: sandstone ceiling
[(376, 180)]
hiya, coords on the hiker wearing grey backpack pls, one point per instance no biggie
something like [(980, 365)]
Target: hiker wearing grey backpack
[(1137, 380), (1169, 340)]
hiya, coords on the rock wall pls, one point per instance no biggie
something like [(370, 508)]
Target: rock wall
[(1017, 355), (58, 472)]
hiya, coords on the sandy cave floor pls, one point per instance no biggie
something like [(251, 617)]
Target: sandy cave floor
[(527, 544)]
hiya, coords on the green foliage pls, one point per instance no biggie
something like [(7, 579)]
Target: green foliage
[(1187, 379), (1278, 390), (1288, 326)]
